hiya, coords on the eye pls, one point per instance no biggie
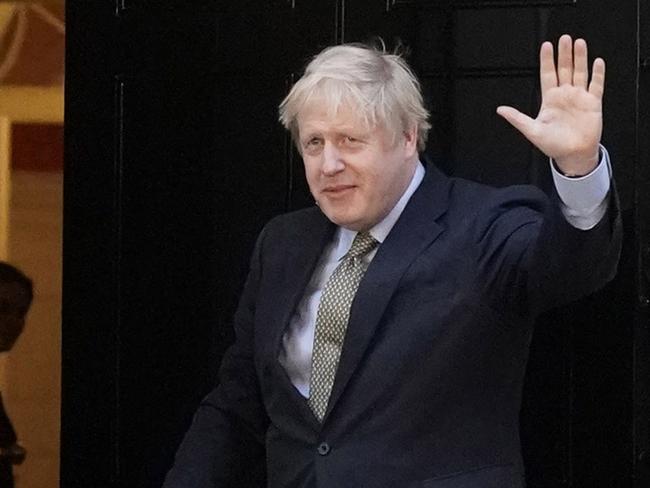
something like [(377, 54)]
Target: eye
[(351, 141), (312, 143), (312, 146)]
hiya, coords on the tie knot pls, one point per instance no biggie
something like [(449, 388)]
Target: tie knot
[(363, 243)]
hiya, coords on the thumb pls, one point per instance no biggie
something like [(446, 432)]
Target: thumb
[(522, 122)]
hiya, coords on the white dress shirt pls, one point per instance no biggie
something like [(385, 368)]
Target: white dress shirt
[(584, 202)]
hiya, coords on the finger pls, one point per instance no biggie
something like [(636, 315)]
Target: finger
[(580, 64), (597, 85), (522, 122), (565, 60), (547, 73)]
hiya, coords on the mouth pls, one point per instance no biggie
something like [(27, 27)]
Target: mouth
[(337, 190)]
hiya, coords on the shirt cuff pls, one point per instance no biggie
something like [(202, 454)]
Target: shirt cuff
[(584, 199)]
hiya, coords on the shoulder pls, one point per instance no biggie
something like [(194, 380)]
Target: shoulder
[(297, 229), (295, 222), (484, 197), (480, 206), (471, 197)]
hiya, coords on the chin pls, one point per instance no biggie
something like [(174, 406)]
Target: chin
[(351, 224), (340, 220), (345, 219)]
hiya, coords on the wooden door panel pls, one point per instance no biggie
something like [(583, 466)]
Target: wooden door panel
[(486, 148), (164, 261), (641, 349)]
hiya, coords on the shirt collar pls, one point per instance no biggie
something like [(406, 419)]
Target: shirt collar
[(380, 231)]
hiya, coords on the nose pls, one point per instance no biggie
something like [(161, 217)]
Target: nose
[(332, 160)]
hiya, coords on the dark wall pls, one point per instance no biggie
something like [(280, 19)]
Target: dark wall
[(641, 257), (174, 159)]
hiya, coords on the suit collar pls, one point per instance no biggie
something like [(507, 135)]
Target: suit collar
[(381, 230), (414, 231), (307, 243), (344, 237)]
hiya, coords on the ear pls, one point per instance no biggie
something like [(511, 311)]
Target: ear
[(411, 141)]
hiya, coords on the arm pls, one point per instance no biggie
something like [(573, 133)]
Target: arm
[(225, 443), (548, 253)]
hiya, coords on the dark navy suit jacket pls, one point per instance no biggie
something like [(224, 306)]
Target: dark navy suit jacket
[(428, 389)]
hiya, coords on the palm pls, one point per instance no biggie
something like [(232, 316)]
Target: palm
[(569, 124)]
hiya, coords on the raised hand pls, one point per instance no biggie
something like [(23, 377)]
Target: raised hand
[(570, 120)]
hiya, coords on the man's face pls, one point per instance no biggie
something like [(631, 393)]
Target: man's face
[(12, 314), (355, 173)]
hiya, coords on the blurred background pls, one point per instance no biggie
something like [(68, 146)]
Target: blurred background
[(32, 45)]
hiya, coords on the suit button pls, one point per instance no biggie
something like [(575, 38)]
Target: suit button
[(324, 449)]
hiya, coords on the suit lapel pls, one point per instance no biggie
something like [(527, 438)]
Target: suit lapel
[(414, 231), (303, 251)]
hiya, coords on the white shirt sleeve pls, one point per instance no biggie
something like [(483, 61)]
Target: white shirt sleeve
[(585, 198)]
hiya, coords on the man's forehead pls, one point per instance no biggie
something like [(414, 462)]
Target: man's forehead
[(319, 114)]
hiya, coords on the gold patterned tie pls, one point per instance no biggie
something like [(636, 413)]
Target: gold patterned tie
[(332, 321)]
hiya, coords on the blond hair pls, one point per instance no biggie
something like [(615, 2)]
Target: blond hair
[(379, 86)]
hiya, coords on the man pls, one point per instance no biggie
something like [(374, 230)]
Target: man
[(16, 294), (382, 336)]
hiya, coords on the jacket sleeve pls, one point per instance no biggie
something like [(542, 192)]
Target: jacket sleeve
[(531, 259), (224, 445)]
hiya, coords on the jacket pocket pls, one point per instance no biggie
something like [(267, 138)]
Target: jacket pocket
[(497, 476)]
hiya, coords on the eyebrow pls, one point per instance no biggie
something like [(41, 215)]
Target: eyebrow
[(339, 131)]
